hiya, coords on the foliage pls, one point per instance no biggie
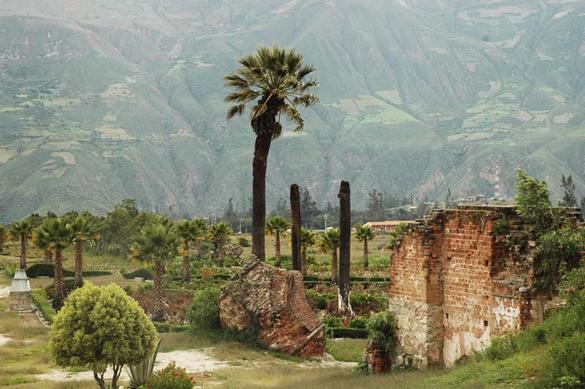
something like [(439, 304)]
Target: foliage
[(171, 377), (156, 241), (169, 327), (382, 330), (68, 287), (244, 242), (219, 234), (329, 240), (567, 361), (141, 372), (501, 226), (572, 285), (533, 202), (21, 228), (101, 326), (365, 232), (359, 322), (364, 302), (569, 198), (277, 225), (395, 237), (48, 270), (41, 301), (318, 300), (558, 250), (146, 273), (204, 312)]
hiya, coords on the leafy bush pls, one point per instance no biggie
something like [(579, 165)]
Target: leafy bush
[(48, 270), (204, 312), (68, 287), (147, 274), (363, 302), (333, 321), (567, 361), (318, 300), (41, 301), (171, 377), (359, 322), (533, 201), (572, 284), (344, 332), (382, 330), (244, 242)]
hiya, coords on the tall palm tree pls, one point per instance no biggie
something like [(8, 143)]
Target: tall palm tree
[(187, 232), (219, 235), (2, 237), (364, 234), (277, 226), (308, 239), (275, 81), (158, 243), (202, 231), (329, 242), (58, 234), (22, 230), (83, 229), (42, 243)]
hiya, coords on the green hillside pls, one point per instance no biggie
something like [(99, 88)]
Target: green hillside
[(107, 99)]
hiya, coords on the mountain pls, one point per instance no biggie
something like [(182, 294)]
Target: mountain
[(106, 99)]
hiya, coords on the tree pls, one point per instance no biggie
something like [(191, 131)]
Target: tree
[(277, 227), (101, 326), (569, 197), (187, 231), (583, 205), (329, 242), (364, 234), (43, 244), (308, 239), (201, 232), (219, 235), (58, 234), (83, 229), (344, 196), (22, 230), (533, 202), (295, 233), (275, 81), (156, 243), (2, 237)]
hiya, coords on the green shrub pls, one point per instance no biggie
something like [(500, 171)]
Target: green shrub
[(567, 361), (243, 242), (68, 287), (168, 327), (171, 377), (319, 300), (572, 284), (359, 322), (41, 301), (363, 302), (147, 274), (48, 270), (204, 312), (382, 330), (333, 321), (343, 332)]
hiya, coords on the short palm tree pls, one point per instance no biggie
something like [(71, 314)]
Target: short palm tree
[(83, 229), (202, 232), (329, 242), (158, 243), (308, 239), (187, 232), (57, 232), (364, 234), (275, 81), (22, 230), (219, 235), (277, 226)]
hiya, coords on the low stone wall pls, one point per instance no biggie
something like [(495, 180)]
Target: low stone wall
[(21, 302)]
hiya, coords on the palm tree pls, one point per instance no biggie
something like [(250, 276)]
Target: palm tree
[(329, 242), (275, 81), (22, 230), (219, 235), (277, 226), (364, 234), (187, 231), (42, 243), (308, 239), (2, 237), (58, 234), (83, 229), (157, 242), (202, 231)]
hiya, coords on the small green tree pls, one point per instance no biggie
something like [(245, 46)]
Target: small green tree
[(329, 242), (83, 229), (308, 239), (533, 201), (364, 234), (569, 197), (101, 326), (220, 235), (204, 312), (277, 226), (187, 231)]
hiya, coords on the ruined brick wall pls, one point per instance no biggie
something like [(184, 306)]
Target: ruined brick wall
[(456, 283)]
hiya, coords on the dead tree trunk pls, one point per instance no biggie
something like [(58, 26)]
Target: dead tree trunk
[(344, 245), (295, 206)]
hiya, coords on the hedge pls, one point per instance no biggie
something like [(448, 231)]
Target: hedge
[(48, 270), (343, 332), (147, 274), (168, 327), (40, 299)]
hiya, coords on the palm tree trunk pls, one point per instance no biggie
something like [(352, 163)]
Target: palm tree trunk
[(261, 149), (334, 273), (158, 310), (2, 241), (58, 293), (78, 264), (23, 249), (304, 260), (186, 263), (198, 245), (295, 207), (277, 249), (366, 260), (344, 244), (220, 254)]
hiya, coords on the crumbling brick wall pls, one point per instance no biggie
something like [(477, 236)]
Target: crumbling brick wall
[(456, 282)]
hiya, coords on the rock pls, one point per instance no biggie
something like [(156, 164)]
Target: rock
[(272, 302)]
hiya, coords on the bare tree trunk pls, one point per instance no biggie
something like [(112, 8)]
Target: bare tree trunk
[(23, 249), (304, 260), (334, 273), (158, 311), (186, 263), (278, 261), (2, 241), (344, 244), (259, 165), (366, 260), (58, 293), (295, 206), (78, 264)]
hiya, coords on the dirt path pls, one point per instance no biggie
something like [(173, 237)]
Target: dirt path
[(194, 361), (4, 340), (4, 292)]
